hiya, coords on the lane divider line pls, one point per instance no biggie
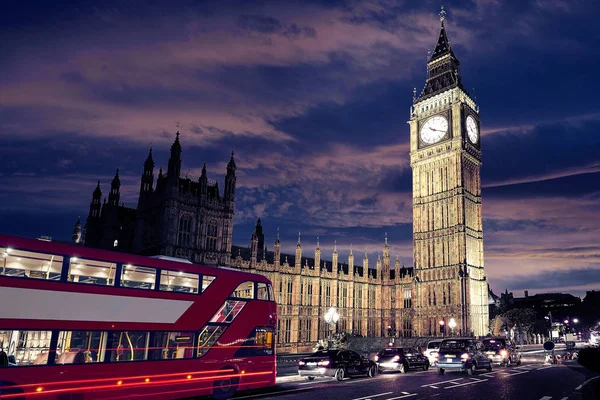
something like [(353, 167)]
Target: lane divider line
[(437, 383), (402, 397), (373, 395), (465, 384)]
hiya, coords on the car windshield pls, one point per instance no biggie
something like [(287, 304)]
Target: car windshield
[(454, 344), (494, 344), (388, 352), (409, 351), (433, 345), (325, 353)]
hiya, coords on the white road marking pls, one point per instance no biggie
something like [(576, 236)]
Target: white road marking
[(373, 395), (586, 382), (476, 379), (402, 397), (546, 398), (437, 383), (516, 373), (435, 387), (565, 398), (549, 366), (465, 384), (404, 392)]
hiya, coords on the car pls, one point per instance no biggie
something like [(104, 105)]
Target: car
[(462, 354), (337, 364), (502, 351), (431, 350), (400, 359)]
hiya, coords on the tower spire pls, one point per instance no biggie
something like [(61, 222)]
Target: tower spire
[(298, 238), (442, 15)]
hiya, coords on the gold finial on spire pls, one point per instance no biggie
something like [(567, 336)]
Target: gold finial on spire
[(298, 237), (414, 94), (317, 242), (442, 15), (335, 245), (386, 239), (277, 233)]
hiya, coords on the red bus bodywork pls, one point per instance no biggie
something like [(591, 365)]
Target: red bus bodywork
[(236, 361)]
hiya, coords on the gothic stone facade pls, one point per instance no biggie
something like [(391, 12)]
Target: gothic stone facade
[(177, 216), (373, 301), (447, 226)]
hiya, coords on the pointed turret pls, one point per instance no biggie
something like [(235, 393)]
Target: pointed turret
[(298, 260), (147, 180), (174, 168), (442, 66), (317, 255), (76, 237), (334, 257), (230, 179), (351, 262), (114, 195), (277, 251), (203, 183)]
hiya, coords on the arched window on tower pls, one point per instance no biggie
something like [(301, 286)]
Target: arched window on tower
[(185, 229)]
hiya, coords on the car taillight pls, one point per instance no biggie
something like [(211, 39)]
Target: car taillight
[(396, 358), (323, 363), (464, 356), (301, 363), (376, 358)]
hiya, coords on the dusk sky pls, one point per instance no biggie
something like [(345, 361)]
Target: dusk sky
[(313, 97)]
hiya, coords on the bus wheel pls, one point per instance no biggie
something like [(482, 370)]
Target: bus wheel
[(225, 388)]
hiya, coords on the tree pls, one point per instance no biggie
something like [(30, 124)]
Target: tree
[(521, 320)]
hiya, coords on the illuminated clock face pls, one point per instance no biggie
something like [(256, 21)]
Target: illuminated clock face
[(472, 130), (434, 129)]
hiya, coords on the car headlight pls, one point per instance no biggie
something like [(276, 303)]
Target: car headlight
[(503, 353), (464, 356), (396, 358), (301, 363)]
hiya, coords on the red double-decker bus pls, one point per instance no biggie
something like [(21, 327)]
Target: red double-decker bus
[(80, 323)]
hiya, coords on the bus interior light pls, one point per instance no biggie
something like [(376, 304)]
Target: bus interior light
[(39, 389), (119, 383)]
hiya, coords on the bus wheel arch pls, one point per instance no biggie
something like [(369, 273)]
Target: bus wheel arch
[(225, 388)]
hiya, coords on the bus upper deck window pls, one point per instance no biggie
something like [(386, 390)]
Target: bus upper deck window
[(29, 264), (91, 271)]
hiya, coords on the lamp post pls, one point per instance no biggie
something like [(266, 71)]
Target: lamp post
[(331, 318), (442, 330), (452, 325)]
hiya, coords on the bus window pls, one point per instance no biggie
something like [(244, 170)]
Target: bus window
[(228, 311), (172, 345), (92, 272), (28, 264), (206, 281), (271, 293), (244, 291), (129, 346), (78, 347), (259, 343), (178, 281), (261, 291), (208, 337), (137, 277), (25, 347)]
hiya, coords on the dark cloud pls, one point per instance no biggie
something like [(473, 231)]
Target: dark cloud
[(259, 23), (543, 150), (551, 279)]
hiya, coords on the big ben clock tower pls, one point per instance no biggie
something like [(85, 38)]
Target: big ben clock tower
[(445, 153)]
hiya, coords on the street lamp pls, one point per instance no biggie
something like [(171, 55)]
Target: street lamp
[(452, 325), (575, 320), (442, 330), (331, 318)]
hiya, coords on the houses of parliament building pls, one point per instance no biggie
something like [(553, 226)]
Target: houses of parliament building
[(191, 219)]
